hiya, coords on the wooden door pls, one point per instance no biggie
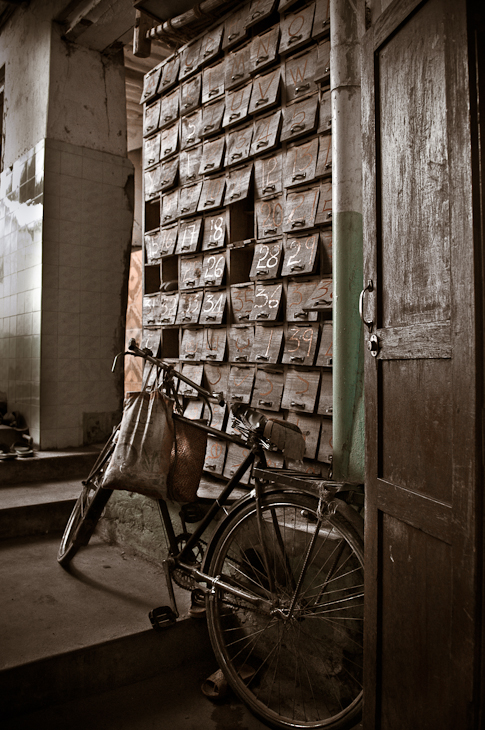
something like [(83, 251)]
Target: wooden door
[(421, 397)]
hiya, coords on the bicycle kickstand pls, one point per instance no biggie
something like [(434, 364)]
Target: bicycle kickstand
[(164, 616)]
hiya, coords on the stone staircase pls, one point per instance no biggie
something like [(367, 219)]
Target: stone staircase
[(70, 634)]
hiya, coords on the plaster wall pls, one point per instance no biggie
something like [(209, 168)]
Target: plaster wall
[(66, 216)]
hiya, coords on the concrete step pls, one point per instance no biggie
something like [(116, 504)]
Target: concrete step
[(66, 635), (36, 508), (48, 466)]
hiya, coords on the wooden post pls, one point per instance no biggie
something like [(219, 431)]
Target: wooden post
[(142, 45)]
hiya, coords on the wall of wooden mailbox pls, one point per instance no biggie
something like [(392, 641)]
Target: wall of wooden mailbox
[(237, 224)]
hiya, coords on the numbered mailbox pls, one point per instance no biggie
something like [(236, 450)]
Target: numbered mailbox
[(168, 239), (268, 175), (214, 231), (168, 307), (194, 410), (152, 181), (235, 456), (212, 193), (275, 460), (264, 48), (189, 163), (296, 28), (217, 378), (213, 269), (266, 260), (151, 118), (170, 72), (300, 344), (169, 108), (211, 44), (300, 209), (300, 255), (168, 173), (212, 154), (265, 92), (305, 467), (191, 130), (190, 303), (237, 185), (237, 67), (215, 455), (326, 240), (269, 217), (268, 390), (194, 373), (299, 118), (189, 235), (321, 19), (325, 450), (169, 141), (169, 209), (267, 300), (266, 133), (324, 211), (190, 94), (213, 82), (300, 75), (241, 380), (267, 345), (322, 71), (240, 342), (191, 346), (151, 309), (238, 145), (234, 28), (324, 164), (237, 105), (214, 345), (151, 340), (150, 84), (300, 391), (325, 402), (153, 246), (325, 351), (213, 307), (310, 428), (190, 272), (242, 300), (325, 113), (190, 197), (189, 59), (301, 162), (151, 151), (258, 10), (212, 115), (216, 415), (321, 298), (297, 295)]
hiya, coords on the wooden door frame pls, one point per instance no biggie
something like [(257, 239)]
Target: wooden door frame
[(467, 345)]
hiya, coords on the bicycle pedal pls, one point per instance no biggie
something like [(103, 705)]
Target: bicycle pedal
[(161, 617)]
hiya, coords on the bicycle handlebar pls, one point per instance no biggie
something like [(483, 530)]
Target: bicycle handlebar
[(147, 355)]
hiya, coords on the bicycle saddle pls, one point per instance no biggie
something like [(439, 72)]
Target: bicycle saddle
[(286, 436)]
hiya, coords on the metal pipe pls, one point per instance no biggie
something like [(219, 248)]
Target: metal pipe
[(346, 27)]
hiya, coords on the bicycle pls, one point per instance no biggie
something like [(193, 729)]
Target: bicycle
[(282, 577)]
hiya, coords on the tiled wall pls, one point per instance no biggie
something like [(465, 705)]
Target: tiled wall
[(65, 234), (21, 212)]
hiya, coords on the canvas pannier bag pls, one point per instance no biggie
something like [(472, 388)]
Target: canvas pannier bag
[(141, 457)]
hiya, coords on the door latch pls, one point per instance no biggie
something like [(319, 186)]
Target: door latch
[(373, 345)]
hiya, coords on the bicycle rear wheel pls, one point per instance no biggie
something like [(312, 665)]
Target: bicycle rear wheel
[(298, 665), (88, 508)]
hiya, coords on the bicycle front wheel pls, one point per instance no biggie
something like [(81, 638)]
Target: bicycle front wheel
[(88, 508), (298, 664)]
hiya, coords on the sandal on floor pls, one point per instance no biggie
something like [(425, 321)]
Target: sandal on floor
[(21, 449), (215, 687), (5, 452)]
